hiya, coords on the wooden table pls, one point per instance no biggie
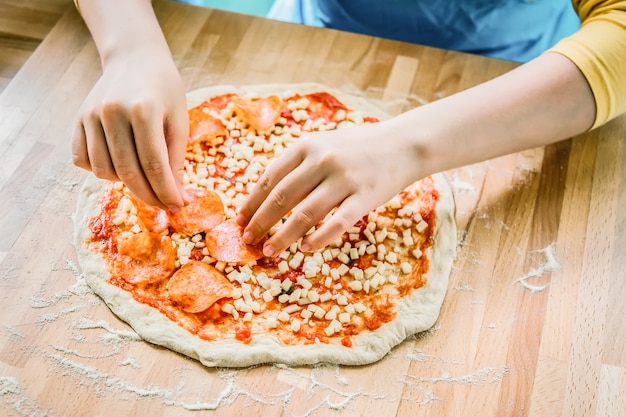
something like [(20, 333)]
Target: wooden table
[(533, 321)]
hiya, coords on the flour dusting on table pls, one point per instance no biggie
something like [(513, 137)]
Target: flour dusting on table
[(550, 264)]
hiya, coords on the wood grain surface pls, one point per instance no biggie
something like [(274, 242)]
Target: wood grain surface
[(533, 320)]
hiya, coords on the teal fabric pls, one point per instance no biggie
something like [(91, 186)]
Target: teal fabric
[(254, 7), (516, 30)]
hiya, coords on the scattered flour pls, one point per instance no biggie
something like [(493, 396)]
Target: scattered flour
[(130, 361), (12, 395), (485, 375), (461, 186), (464, 287), (426, 397), (550, 264), (101, 324)]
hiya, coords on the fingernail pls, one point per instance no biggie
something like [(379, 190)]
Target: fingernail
[(248, 238), (173, 209), (306, 247), (241, 220), (269, 251)]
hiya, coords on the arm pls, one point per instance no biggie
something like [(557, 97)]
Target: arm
[(133, 125), (541, 102)]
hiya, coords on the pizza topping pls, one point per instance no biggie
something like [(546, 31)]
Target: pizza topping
[(196, 286), (261, 113), (144, 257), (323, 297), (205, 128), (225, 243), (204, 212), (148, 218)]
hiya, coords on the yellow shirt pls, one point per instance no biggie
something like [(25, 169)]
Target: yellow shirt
[(599, 51)]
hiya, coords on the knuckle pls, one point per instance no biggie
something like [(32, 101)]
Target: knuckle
[(256, 229), (153, 168), (126, 173), (142, 109), (103, 173), (304, 217), (109, 109), (264, 184), (330, 161), (278, 199), (339, 223)]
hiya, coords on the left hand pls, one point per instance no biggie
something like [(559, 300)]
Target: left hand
[(354, 170)]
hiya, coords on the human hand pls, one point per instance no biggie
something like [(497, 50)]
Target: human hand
[(354, 170), (133, 127)]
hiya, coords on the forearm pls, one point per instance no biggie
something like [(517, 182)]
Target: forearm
[(122, 27), (539, 103)]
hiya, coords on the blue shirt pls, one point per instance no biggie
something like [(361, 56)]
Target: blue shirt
[(517, 30)]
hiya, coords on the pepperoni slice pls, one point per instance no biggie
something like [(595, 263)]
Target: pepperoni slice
[(196, 286), (203, 127), (260, 113), (322, 105), (225, 243), (145, 257), (150, 218), (205, 211)]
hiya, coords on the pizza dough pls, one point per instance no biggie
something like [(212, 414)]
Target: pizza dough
[(415, 313)]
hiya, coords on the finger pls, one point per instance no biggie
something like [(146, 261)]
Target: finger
[(286, 195), (309, 213), (176, 136), (121, 145), (97, 151), (152, 152), (273, 175), (80, 156), (349, 212)]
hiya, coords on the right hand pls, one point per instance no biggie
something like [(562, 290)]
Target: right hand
[(133, 127), (353, 170)]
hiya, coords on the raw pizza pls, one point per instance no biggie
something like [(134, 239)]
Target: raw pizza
[(187, 281)]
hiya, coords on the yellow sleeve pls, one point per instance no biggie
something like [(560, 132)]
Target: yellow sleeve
[(599, 51)]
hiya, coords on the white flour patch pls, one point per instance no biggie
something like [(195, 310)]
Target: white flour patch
[(418, 355), (460, 186), (47, 318), (13, 333), (227, 396), (78, 354), (485, 375), (79, 288), (428, 360), (425, 397), (9, 385), (67, 185), (549, 265), (130, 361), (104, 382), (464, 287), (85, 324), (336, 399), (11, 394)]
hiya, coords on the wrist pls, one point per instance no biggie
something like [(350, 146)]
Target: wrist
[(414, 137), (124, 29)]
